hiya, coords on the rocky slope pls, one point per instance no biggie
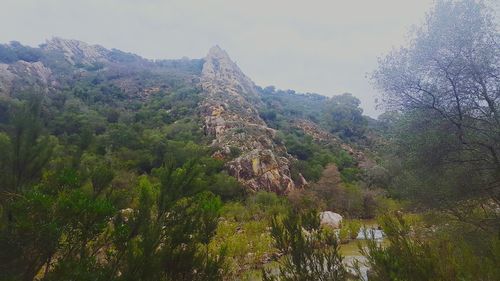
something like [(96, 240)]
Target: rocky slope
[(23, 75), (77, 52), (230, 116), (229, 107)]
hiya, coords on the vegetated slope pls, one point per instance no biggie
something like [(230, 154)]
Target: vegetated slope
[(88, 87), (84, 124)]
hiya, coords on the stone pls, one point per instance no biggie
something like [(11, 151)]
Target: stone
[(331, 219)]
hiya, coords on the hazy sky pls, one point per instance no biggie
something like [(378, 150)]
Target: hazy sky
[(326, 47)]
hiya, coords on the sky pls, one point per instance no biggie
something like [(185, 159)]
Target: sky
[(326, 47)]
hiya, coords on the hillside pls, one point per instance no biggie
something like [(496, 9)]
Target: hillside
[(183, 149), (212, 93), (114, 167)]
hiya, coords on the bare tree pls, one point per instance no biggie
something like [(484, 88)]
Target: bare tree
[(449, 76)]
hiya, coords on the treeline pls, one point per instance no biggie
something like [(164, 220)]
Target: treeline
[(340, 115)]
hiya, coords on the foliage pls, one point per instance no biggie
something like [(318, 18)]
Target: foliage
[(14, 51), (413, 255), (442, 150), (340, 114), (445, 85), (61, 201), (343, 116), (283, 106), (353, 226), (25, 148), (313, 157), (333, 193), (310, 254)]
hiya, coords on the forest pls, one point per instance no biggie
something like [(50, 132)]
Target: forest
[(110, 169)]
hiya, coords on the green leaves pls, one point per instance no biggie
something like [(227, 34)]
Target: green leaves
[(101, 177), (343, 116), (26, 150), (309, 253), (83, 218), (413, 254), (29, 235)]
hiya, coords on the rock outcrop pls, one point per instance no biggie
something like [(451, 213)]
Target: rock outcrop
[(230, 116), (23, 76), (77, 52), (6, 78), (36, 75)]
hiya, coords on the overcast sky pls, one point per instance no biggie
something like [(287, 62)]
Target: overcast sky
[(326, 47)]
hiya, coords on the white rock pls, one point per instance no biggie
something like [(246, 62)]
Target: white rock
[(331, 219)]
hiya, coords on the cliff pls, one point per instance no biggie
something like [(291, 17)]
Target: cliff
[(229, 111)]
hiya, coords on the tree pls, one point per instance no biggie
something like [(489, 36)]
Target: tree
[(26, 149), (169, 234), (30, 237), (446, 84), (343, 116)]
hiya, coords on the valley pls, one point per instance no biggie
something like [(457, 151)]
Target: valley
[(114, 167)]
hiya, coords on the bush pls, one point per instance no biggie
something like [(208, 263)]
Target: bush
[(353, 226), (227, 187), (310, 254), (412, 254)]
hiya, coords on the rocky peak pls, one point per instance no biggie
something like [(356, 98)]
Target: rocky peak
[(230, 116), (77, 51), (220, 71), (217, 52)]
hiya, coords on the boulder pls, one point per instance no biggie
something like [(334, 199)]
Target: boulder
[(330, 219)]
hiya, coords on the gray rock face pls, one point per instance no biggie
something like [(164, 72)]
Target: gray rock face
[(260, 169), (77, 51), (6, 78), (22, 75), (231, 118)]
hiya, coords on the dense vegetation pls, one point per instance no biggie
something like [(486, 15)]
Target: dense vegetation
[(442, 94), (340, 115), (100, 185), (97, 183)]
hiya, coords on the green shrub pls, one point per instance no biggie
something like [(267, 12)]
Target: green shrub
[(353, 226), (350, 174), (412, 253), (309, 254)]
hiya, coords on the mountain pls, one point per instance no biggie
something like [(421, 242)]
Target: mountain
[(243, 124), (136, 162)]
